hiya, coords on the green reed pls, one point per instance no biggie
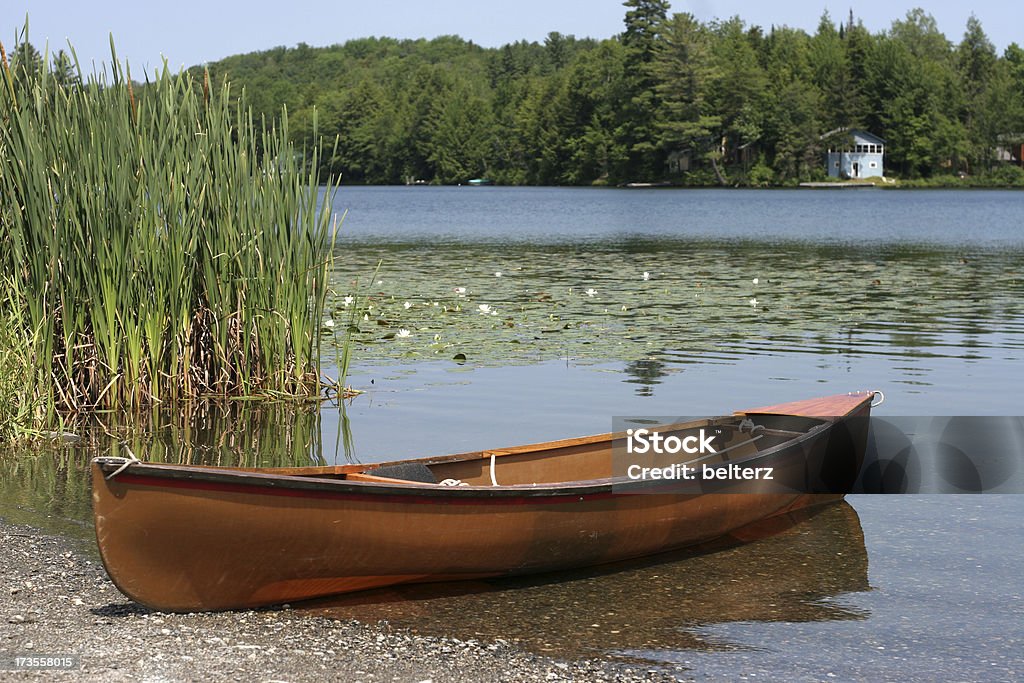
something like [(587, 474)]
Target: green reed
[(159, 243), (21, 406)]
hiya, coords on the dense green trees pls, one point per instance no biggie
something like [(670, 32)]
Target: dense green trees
[(685, 74), (670, 98)]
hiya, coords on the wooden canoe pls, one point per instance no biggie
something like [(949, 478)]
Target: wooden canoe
[(188, 538)]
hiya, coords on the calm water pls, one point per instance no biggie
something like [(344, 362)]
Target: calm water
[(583, 216), (919, 294)]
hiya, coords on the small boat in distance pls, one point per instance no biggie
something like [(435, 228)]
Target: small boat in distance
[(478, 182), (189, 538)]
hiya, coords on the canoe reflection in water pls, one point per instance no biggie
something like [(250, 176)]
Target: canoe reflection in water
[(786, 568)]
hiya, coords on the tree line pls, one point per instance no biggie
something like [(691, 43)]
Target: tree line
[(670, 99)]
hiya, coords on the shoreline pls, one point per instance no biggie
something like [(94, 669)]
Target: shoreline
[(56, 601)]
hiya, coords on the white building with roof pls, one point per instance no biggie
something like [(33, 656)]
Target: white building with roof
[(854, 154)]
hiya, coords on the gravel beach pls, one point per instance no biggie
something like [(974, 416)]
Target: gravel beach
[(56, 601)]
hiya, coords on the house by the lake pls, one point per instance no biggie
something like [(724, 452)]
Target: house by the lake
[(854, 154)]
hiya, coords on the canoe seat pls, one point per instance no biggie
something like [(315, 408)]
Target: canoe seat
[(412, 471)]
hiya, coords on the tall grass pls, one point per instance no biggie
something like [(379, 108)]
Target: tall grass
[(21, 405), (160, 243)]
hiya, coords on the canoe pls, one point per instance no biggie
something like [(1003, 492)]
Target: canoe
[(190, 538)]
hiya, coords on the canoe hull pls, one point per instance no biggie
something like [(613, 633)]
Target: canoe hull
[(190, 539), (294, 547)]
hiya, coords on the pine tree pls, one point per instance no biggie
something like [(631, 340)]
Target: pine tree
[(985, 100), (645, 21), (685, 71)]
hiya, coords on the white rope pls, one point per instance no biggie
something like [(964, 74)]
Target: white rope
[(747, 423), (881, 399), (494, 482), (124, 465), (453, 482)]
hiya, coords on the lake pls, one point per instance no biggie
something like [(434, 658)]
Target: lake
[(920, 294), (494, 316)]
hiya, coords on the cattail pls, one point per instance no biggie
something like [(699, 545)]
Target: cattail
[(206, 87), (172, 318), (7, 73), (131, 98)]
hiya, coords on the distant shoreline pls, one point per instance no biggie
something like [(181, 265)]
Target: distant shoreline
[(897, 185)]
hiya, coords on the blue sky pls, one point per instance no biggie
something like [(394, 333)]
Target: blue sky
[(189, 32)]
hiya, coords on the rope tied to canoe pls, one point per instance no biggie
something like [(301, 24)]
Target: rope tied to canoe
[(880, 396), (452, 482), (748, 425), (124, 465)]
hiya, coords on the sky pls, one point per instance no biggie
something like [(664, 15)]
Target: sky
[(189, 32)]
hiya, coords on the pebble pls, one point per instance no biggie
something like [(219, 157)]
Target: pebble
[(103, 626)]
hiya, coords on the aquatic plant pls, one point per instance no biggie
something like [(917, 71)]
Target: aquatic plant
[(20, 403), (705, 300), (159, 243)]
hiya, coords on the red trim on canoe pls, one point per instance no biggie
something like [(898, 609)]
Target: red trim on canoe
[(251, 489)]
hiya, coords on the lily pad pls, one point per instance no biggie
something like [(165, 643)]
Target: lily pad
[(810, 297)]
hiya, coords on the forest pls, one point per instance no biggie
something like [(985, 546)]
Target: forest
[(669, 100)]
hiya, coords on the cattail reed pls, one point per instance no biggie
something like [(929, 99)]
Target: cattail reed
[(160, 245), (8, 79), (131, 97)]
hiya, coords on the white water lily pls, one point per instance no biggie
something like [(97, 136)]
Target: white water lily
[(591, 292), (366, 316), (484, 309), (497, 274), (407, 305), (647, 276), (328, 323), (461, 291), (753, 302), (755, 280), (347, 300), (403, 333)]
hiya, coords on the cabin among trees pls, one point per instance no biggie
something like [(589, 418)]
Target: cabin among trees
[(854, 154), (1011, 151)]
